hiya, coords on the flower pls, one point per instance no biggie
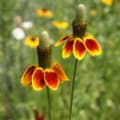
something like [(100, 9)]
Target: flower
[(38, 78), (60, 24), (32, 42), (18, 33), (107, 2), (93, 12), (43, 12), (79, 46), (27, 24)]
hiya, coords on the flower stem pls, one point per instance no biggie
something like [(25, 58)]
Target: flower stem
[(49, 104), (72, 89)]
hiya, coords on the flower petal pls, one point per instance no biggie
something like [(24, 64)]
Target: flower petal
[(51, 79), (26, 79), (67, 49), (38, 79), (60, 72), (59, 42), (78, 49), (92, 46)]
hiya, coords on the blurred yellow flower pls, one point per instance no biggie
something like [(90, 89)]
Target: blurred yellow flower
[(32, 42), (43, 12), (93, 12), (60, 24), (107, 2)]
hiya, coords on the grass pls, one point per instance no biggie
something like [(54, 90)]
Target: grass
[(97, 82)]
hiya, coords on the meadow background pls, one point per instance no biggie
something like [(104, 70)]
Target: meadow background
[(97, 95)]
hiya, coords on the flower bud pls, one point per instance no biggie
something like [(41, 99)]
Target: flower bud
[(44, 50), (44, 40), (79, 24), (80, 17)]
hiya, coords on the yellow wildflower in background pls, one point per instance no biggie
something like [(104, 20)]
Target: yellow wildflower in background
[(31, 41), (44, 12), (59, 24), (107, 2), (93, 12)]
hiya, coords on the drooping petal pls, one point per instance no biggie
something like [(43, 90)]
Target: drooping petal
[(92, 46), (51, 79), (38, 79), (59, 42), (60, 72), (67, 49), (78, 49), (26, 79)]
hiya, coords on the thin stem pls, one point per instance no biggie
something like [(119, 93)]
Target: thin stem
[(49, 105), (72, 89)]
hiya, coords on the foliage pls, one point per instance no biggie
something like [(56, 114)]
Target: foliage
[(97, 83)]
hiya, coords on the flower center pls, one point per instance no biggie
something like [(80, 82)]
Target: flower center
[(33, 39), (44, 10)]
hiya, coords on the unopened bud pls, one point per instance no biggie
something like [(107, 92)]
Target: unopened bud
[(44, 40), (79, 24), (44, 50), (80, 17)]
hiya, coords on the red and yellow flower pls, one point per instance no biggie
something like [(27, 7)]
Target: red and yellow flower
[(79, 46), (38, 78)]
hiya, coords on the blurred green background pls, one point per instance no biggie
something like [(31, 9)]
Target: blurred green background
[(97, 84)]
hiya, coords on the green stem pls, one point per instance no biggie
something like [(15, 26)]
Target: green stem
[(49, 105), (44, 60), (72, 89)]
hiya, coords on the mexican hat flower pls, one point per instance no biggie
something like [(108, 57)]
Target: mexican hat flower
[(38, 77), (32, 42), (45, 73), (79, 46), (79, 42), (44, 12)]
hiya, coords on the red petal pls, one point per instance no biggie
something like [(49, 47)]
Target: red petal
[(67, 49), (51, 79), (38, 79), (92, 46), (26, 79), (60, 72), (78, 49), (59, 42)]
